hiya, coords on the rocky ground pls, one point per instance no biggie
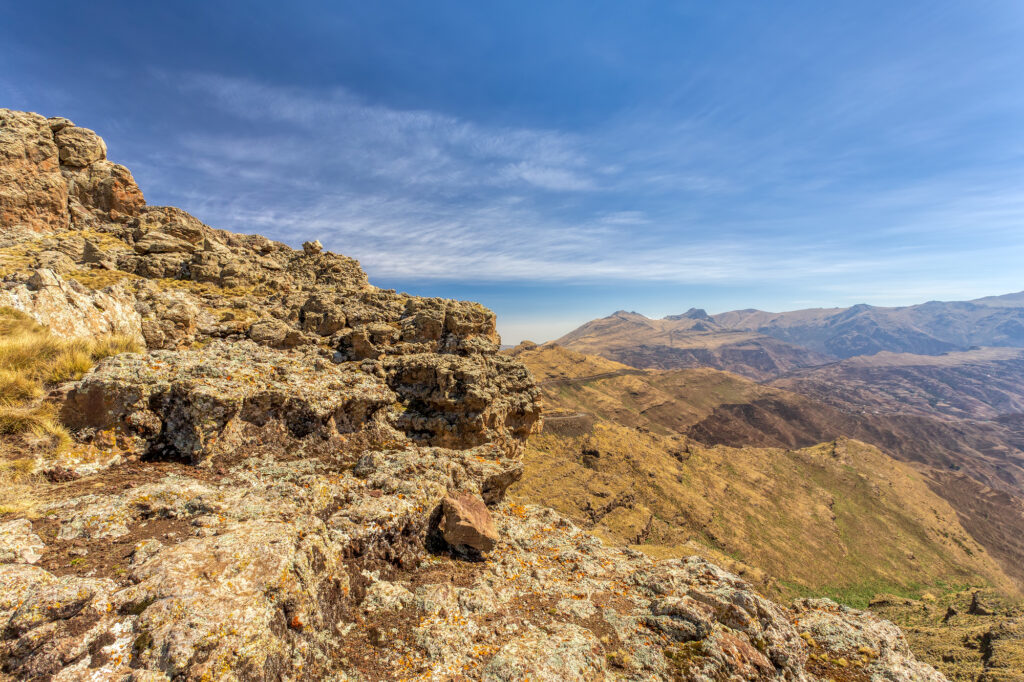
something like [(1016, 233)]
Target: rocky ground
[(303, 477)]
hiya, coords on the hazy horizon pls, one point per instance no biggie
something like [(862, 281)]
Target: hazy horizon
[(560, 162)]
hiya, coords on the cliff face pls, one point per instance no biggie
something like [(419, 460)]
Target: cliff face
[(303, 477)]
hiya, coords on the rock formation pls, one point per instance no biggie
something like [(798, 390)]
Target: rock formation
[(303, 477)]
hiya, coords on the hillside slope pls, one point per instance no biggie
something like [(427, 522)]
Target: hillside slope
[(840, 515), (925, 329), (982, 384), (761, 345), (640, 342), (841, 518)]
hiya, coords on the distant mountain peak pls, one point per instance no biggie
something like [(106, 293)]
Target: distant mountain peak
[(691, 314), (628, 315)]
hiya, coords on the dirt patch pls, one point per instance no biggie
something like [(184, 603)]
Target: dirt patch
[(123, 477), (104, 557)]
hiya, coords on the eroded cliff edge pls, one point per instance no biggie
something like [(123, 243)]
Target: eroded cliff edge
[(302, 477)]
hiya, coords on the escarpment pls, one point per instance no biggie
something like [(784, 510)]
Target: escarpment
[(302, 476)]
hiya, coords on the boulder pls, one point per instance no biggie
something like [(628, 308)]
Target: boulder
[(174, 222), (275, 333), (106, 189), (459, 402), (79, 147), (465, 522), (71, 310), (58, 122)]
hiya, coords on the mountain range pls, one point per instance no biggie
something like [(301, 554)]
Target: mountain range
[(761, 344)]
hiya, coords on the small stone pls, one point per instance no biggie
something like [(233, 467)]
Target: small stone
[(58, 123), (312, 248), (466, 522), (18, 544)]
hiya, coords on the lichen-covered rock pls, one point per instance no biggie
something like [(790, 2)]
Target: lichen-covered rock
[(253, 579), (224, 397), (385, 596), (18, 543), (839, 633), (72, 310), (494, 395), (564, 652)]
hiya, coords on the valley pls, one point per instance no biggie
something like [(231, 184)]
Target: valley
[(771, 483)]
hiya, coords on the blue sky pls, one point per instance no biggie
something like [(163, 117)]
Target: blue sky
[(562, 160)]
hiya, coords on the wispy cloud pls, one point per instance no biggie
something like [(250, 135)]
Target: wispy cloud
[(418, 194), (413, 148)]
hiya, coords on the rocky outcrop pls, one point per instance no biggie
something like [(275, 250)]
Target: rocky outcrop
[(72, 310), (258, 582), (303, 477), (222, 398), (33, 195), (845, 637)]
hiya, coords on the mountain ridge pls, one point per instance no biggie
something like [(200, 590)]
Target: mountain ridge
[(928, 328)]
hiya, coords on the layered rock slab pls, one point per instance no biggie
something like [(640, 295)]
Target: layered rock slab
[(193, 404)]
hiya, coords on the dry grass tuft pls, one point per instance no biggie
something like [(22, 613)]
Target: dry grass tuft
[(100, 278), (32, 358), (18, 479)]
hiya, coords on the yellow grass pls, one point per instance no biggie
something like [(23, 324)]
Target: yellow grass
[(100, 278), (32, 358), (18, 478)]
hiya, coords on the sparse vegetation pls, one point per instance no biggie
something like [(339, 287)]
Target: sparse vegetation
[(100, 278), (841, 519), (965, 646), (31, 358)]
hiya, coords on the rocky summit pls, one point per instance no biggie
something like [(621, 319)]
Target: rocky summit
[(297, 475)]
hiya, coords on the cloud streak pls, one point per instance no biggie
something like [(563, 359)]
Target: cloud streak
[(418, 194)]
